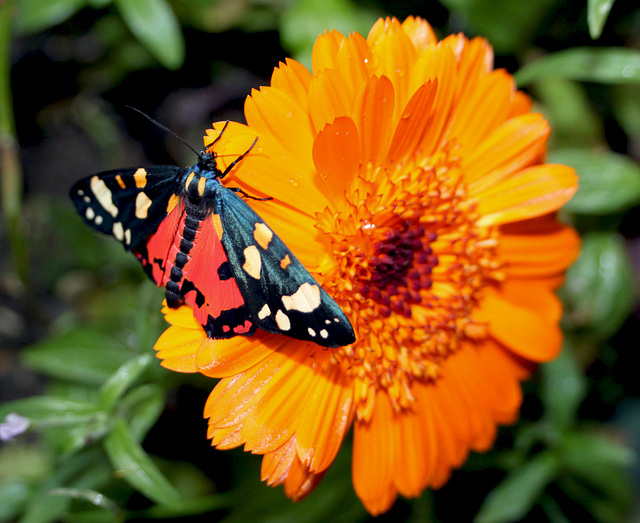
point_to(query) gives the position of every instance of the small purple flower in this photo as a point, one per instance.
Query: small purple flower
(13, 426)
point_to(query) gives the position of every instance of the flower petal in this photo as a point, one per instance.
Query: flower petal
(523, 331)
(326, 417)
(374, 118)
(222, 358)
(538, 248)
(336, 153)
(374, 447)
(177, 348)
(532, 192)
(511, 147)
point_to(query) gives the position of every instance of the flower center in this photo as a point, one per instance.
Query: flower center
(411, 265)
(400, 268)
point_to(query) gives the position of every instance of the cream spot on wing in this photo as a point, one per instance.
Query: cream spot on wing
(98, 220)
(127, 236)
(87, 199)
(118, 231)
(262, 235)
(286, 261)
(324, 333)
(143, 202)
(188, 182)
(264, 312)
(311, 332)
(140, 177)
(252, 262)
(217, 224)
(305, 299)
(80, 192)
(201, 184)
(282, 320)
(173, 201)
(90, 213)
(103, 195)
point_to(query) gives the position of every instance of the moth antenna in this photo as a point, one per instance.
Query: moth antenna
(164, 128)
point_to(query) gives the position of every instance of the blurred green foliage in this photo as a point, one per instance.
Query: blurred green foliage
(98, 449)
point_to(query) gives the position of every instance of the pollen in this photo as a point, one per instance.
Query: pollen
(411, 265)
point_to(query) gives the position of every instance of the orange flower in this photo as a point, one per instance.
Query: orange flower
(409, 178)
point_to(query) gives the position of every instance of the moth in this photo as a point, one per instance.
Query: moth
(204, 244)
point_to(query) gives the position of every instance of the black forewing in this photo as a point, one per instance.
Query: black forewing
(283, 282)
(126, 203)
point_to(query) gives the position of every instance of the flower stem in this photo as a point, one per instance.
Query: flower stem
(11, 182)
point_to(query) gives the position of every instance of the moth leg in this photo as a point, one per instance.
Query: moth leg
(234, 162)
(246, 195)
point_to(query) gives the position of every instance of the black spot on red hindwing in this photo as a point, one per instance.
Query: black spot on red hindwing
(224, 271)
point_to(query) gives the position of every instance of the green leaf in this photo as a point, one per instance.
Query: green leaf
(143, 406)
(49, 409)
(598, 11)
(122, 379)
(625, 101)
(597, 458)
(81, 355)
(564, 388)
(610, 65)
(599, 290)
(36, 15)
(574, 120)
(14, 495)
(508, 25)
(516, 495)
(155, 25)
(609, 182)
(303, 21)
(45, 509)
(96, 499)
(136, 466)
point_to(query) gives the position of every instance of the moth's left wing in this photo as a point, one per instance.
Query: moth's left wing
(127, 204)
(280, 293)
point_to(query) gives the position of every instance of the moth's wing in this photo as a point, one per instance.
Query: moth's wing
(280, 293)
(127, 204)
(206, 284)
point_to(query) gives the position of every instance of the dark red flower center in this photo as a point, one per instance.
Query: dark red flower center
(400, 267)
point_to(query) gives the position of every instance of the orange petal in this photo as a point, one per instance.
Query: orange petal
(480, 111)
(374, 117)
(278, 396)
(523, 331)
(180, 317)
(336, 153)
(330, 97)
(530, 193)
(414, 453)
(393, 54)
(225, 438)
(274, 113)
(419, 31)
(293, 78)
(414, 122)
(545, 250)
(374, 459)
(326, 417)
(325, 51)
(513, 146)
(277, 463)
(352, 59)
(221, 358)
(531, 295)
(177, 348)
(300, 481)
